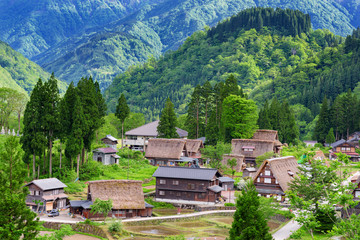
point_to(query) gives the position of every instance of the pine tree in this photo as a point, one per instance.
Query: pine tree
(249, 222)
(122, 112)
(16, 219)
(51, 114)
(33, 139)
(330, 137)
(167, 123)
(193, 116)
(323, 124)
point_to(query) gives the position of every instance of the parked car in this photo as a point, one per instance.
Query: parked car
(53, 213)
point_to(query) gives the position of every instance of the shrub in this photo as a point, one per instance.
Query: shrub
(229, 204)
(159, 204)
(74, 187)
(326, 220)
(116, 227)
(90, 170)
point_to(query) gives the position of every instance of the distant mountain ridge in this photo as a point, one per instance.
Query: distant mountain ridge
(19, 73)
(102, 38)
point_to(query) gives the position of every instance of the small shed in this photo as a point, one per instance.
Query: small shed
(106, 156)
(110, 141)
(226, 183)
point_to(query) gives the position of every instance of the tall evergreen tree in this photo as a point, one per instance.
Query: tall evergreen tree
(33, 139)
(249, 222)
(51, 114)
(122, 112)
(323, 124)
(194, 112)
(167, 123)
(330, 137)
(16, 219)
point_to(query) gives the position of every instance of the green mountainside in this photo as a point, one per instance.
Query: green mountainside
(18, 72)
(59, 35)
(258, 53)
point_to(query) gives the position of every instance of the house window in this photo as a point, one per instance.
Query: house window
(267, 173)
(278, 197)
(178, 194)
(162, 193)
(162, 181)
(37, 193)
(132, 137)
(267, 180)
(55, 192)
(357, 193)
(32, 193)
(201, 195)
(248, 149)
(191, 186)
(258, 179)
(276, 181)
(175, 182)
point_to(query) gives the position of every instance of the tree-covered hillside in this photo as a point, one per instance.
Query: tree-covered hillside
(151, 27)
(18, 72)
(253, 56)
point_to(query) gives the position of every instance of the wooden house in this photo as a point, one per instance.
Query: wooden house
(263, 141)
(137, 138)
(110, 141)
(187, 185)
(49, 191)
(126, 195)
(106, 156)
(172, 152)
(347, 147)
(274, 175)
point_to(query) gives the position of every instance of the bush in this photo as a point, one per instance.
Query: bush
(159, 204)
(74, 187)
(229, 204)
(90, 170)
(326, 220)
(116, 227)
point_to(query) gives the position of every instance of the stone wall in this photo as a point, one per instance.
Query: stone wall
(78, 227)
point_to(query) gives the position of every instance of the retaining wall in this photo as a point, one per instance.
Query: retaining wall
(78, 227)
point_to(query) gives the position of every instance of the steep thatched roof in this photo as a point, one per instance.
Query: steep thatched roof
(125, 194)
(265, 134)
(187, 173)
(239, 161)
(283, 169)
(260, 147)
(193, 145)
(162, 148)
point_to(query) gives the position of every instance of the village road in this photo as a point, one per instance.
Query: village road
(285, 232)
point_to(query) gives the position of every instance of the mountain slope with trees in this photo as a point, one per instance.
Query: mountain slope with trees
(252, 55)
(128, 32)
(19, 73)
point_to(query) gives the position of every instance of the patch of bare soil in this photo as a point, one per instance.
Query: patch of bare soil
(80, 237)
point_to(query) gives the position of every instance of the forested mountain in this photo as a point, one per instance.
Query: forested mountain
(103, 38)
(18, 72)
(256, 52)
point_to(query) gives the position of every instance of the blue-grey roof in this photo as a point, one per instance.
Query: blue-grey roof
(226, 179)
(87, 205)
(148, 205)
(203, 139)
(186, 173)
(215, 188)
(338, 143)
(150, 129)
(77, 203)
(48, 183)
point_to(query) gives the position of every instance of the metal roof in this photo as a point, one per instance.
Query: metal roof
(150, 129)
(186, 173)
(147, 205)
(337, 143)
(48, 183)
(215, 188)
(226, 179)
(110, 137)
(75, 203)
(107, 150)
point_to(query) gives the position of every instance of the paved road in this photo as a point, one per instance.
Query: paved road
(285, 232)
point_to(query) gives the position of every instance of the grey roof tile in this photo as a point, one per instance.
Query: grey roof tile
(186, 173)
(48, 183)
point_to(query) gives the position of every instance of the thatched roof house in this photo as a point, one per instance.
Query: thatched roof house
(240, 164)
(162, 148)
(263, 141)
(126, 195)
(274, 175)
(193, 147)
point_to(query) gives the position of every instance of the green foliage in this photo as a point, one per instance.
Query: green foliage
(101, 207)
(116, 227)
(215, 153)
(239, 118)
(177, 237)
(122, 112)
(330, 137)
(16, 219)
(65, 230)
(159, 204)
(229, 204)
(249, 221)
(167, 123)
(326, 219)
(260, 159)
